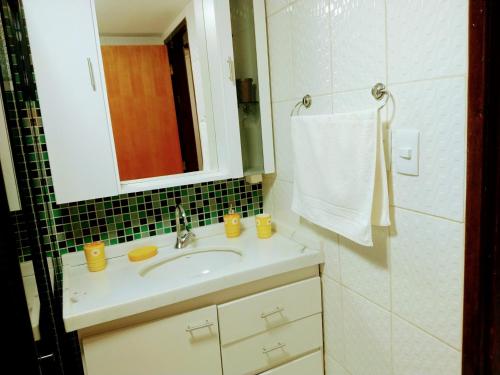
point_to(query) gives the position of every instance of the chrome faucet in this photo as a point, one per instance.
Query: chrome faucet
(185, 234)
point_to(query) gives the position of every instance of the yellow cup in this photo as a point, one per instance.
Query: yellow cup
(232, 225)
(263, 223)
(94, 254)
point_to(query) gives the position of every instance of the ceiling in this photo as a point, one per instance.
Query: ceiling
(136, 17)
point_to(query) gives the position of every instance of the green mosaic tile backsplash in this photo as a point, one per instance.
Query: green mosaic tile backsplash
(138, 215)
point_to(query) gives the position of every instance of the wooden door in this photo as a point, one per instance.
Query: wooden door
(142, 109)
(481, 327)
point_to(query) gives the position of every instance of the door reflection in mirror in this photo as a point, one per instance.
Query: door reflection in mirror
(150, 90)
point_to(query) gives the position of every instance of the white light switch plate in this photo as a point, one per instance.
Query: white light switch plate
(405, 152)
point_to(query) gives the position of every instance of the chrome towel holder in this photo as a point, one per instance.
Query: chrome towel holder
(379, 91)
(306, 102)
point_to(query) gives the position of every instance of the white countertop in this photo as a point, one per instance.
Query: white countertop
(120, 290)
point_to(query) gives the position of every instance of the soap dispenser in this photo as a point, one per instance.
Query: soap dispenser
(232, 223)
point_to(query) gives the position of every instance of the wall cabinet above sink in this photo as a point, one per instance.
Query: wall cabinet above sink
(135, 97)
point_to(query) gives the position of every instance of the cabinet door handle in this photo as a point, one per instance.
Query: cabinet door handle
(273, 348)
(232, 74)
(91, 74)
(207, 324)
(277, 310)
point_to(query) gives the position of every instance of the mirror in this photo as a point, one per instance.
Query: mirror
(156, 76)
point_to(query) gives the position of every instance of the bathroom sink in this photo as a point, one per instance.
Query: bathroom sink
(192, 263)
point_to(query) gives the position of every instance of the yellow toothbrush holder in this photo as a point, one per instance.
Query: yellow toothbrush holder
(94, 254)
(264, 226)
(232, 224)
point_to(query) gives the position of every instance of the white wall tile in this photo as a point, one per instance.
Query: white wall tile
(333, 320)
(417, 353)
(427, 260)
(267, 187)
(282, 140)
(332, 257)
(273, 6)
(437, 109)
(366, 269)
(332, 367)
(352, 101)
(280, 55)
(368, 336)
(321, 105)
(282, 196)
(311, 47)
(334, 50)
(426, 39)
(358, 43)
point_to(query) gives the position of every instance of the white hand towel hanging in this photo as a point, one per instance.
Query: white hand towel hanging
(340, 180)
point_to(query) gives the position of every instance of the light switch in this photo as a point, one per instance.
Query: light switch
(405, 153)
(405, 143)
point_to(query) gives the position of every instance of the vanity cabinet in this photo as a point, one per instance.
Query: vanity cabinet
(310, 364)
(232, 126)
(185, 344)
(270, 328)
(276, 331)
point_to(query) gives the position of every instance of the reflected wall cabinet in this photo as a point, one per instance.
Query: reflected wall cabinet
(226, 54)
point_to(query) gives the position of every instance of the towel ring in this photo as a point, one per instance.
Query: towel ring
(379, 91)
(305, 102)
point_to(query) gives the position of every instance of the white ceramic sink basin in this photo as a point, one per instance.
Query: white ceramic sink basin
(191, 264)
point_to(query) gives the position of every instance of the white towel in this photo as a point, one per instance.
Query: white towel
(340, 180)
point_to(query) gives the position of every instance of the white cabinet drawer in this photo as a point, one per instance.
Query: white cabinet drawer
(255, 314)
(184, 344)
(272, 348)
(311, 364)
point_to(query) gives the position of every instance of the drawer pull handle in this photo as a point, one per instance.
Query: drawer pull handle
(276, 347)
(277, 310)
(207, 324)
(91, 74)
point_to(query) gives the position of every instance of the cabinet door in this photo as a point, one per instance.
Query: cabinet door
(249, 39)
(66, 59)
(185, 344)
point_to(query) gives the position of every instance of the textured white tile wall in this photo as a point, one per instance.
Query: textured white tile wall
(361, 66)
(367, 330)
(332, 367)
(416, 353)
(437, 109)
(366, 270)
(426, 39)
(427, 277)
(311, 48)
(396, 308)
(333, 320)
